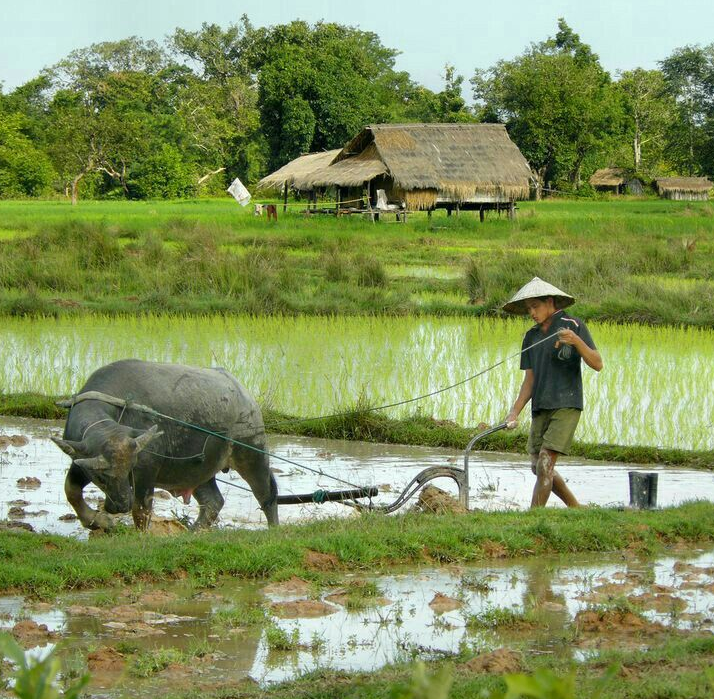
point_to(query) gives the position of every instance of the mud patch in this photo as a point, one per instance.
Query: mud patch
(498, 662)
(443, 603)
(437, 501)
(29, 483)
(106, 661)
(661, 602)
(30, 633)
(302, 609)
(166, 527)
(614, 621)
(314, 560)
(294, 587)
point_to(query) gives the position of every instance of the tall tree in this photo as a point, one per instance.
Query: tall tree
(219, 104)
(451, 103)
(556, 100)
(101, 113)
(649, 111)
(689, 76)
(343, 76)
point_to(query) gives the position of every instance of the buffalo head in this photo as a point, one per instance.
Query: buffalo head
(109, 464)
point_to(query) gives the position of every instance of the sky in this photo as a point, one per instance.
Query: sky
(467, 34)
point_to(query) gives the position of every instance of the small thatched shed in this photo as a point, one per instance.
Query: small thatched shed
(430, 165)
(684, 188)
(297, 169)
(617, 180)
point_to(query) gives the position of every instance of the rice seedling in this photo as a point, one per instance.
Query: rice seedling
(653, 391)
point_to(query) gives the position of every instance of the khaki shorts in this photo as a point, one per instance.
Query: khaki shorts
(553, 429)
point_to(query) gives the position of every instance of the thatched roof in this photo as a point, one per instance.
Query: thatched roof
(683, 184)
(609, 177)
(296, 169)
(461, 161)
(351, 172)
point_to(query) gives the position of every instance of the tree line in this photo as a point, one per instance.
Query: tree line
(135, 119)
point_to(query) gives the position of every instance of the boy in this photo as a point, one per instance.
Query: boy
(553, 382)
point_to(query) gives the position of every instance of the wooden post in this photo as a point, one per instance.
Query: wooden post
(448, 210)
(512, 210)
(458, 209)
(481, 213)
(337, 201)
(369, 199)
(285, 196)
(428, 214)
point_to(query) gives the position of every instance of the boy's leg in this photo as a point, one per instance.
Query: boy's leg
(557, 483)
(554, 434)
(544, 470)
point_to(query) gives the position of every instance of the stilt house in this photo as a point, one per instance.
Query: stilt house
(428, 166)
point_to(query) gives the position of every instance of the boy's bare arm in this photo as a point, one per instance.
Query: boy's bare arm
(590, 356)
(524, 395)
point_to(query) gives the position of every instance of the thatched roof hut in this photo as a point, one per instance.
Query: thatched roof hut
(425, 165)
(684, 188)
(609, 177)
(297, 169)
(616, 179)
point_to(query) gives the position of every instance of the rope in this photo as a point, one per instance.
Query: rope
(311, 203)
(417, 398)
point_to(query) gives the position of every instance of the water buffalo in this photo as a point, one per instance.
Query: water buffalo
(127, 452)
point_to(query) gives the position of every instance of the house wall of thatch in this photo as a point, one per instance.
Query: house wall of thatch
(684, 188)
(684, 195)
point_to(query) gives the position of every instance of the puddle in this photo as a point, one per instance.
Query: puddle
(496, 612)
(34, 473)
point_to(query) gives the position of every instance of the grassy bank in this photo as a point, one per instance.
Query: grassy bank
(418, 430)
(44, 565)
(639, 260)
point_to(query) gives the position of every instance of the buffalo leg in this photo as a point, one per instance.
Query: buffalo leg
(74, 485)
(143, 503)
(210, 502)
(254, 469)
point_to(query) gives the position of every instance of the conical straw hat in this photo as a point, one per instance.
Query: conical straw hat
(536, 288)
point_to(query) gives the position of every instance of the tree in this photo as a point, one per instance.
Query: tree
(689, 77)
(106, 108)
(451, 106)
(648, 113)
(557, 102)
(25, 171)
(344, 76)
(218, 104)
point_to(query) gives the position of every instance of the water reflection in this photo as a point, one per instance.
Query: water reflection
(547, 595)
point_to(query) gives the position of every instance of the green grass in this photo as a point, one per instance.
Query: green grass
(204, 256)
(42, 565)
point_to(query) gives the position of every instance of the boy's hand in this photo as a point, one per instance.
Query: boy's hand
(511, 421)
(566, 337)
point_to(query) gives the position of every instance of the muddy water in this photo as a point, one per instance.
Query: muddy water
(111, 630)
(498, 481)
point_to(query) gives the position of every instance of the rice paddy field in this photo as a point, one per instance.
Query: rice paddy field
(654, 376)
(399, 310)
(319, 315)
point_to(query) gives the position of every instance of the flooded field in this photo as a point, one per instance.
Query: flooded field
(32, 472)
(140, 640)
(143, 640)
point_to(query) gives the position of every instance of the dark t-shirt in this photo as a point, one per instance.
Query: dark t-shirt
(557, 381)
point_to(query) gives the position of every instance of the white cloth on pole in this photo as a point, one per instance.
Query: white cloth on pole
(239, 192)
